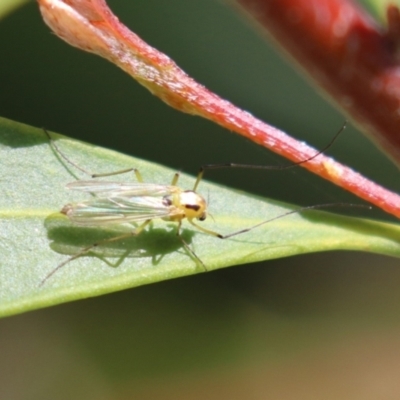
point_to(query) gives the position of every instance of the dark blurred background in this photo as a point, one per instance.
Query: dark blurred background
(316, 326)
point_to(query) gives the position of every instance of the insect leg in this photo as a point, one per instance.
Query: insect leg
(207, 231)
(87, 249)
(138, 175)
(175, 179)
(187, 247)
(203, 168)
(61, 155)
(119, 172)
(299, 210)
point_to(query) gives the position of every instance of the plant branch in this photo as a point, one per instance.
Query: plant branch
(341, 49)
(91, 26)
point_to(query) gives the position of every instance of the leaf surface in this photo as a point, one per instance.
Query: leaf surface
(35, 237)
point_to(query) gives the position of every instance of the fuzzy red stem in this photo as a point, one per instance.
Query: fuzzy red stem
(341, 49)
(91, 26)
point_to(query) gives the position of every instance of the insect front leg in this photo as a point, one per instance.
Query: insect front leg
(207, 231)
(297, 211)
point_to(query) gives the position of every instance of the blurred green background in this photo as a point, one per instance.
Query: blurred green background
(310, 327)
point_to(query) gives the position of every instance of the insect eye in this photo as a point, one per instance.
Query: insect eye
(202, 217)
(194, 207)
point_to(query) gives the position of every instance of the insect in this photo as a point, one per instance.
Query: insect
(114, 203)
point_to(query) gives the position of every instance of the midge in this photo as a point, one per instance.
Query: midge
(114, 203)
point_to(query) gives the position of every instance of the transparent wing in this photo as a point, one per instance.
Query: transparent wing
(118, 210)
(122, 189)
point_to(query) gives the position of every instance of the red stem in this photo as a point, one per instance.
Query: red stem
(341, 49)
(306, 24)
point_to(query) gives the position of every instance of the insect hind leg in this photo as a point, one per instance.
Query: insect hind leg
(64, 158)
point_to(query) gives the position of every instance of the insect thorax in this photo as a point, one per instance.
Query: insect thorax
(188, 204)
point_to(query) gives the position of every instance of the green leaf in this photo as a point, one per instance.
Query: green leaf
(35, 237)
(378, 7)
(7, 6)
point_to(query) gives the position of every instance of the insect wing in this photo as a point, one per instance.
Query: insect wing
(117, 210)
(106, 189)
